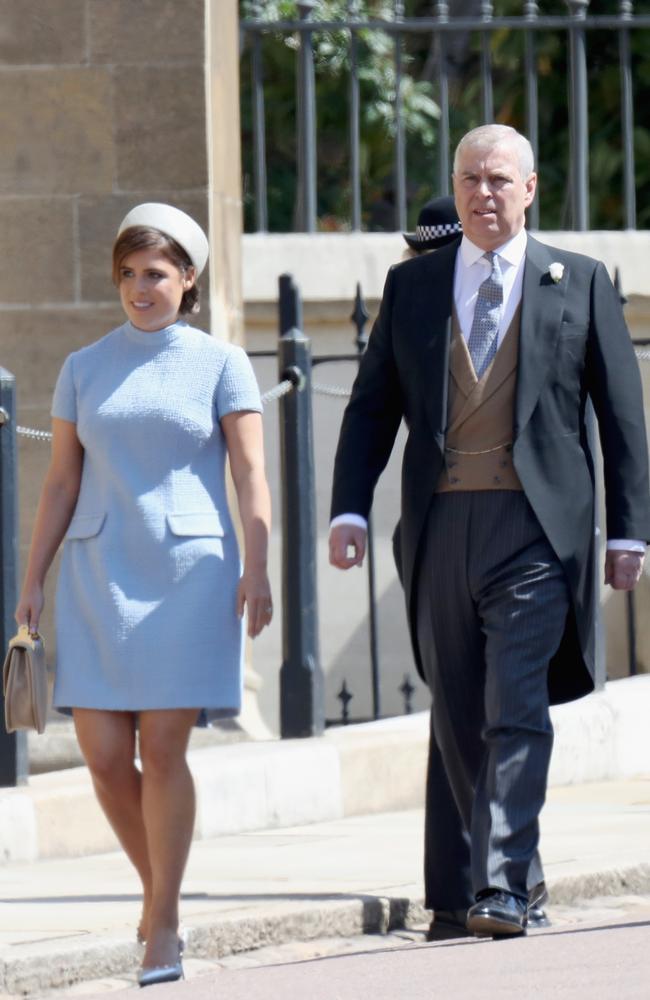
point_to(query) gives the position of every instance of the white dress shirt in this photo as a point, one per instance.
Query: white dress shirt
(471, 269)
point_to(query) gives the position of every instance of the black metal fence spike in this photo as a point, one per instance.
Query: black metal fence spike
(407, 690)
(360, 317)
(345, 698)
(617, 285)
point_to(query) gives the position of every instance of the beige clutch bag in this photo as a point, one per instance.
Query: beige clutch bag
(27, 683)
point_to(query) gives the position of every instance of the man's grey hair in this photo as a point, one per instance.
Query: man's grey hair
(489, 136)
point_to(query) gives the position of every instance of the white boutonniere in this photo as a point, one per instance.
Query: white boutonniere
(556, 270)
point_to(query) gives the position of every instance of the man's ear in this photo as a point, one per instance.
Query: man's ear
(531, 187)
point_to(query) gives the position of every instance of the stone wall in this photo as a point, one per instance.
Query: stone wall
(103, 106)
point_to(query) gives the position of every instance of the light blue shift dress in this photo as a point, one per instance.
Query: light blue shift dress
(146, 597)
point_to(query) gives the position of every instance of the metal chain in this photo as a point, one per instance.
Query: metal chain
(30, 432)
(275, 393)
(330, 390)
(281, 389)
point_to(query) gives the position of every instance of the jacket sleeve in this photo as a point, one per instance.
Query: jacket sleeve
(614, 385)
(371, 418)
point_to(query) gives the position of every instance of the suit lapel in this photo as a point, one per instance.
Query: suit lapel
(542, 304)
(434, 313)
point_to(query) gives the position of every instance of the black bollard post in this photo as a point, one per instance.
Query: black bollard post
(14, 766)
(302, 707)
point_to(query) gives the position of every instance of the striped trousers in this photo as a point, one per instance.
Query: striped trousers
(492, 607)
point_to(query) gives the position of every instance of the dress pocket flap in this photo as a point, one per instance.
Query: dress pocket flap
(85, 525)
(206, 523)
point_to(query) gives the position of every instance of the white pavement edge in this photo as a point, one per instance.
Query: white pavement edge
(355, 770)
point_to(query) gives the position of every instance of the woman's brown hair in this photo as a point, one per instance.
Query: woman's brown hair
(143, 238)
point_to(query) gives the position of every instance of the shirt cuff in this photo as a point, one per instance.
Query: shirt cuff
(354, 519)
(629, 544)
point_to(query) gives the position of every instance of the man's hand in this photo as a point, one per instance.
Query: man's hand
(623, 568)
(347, 545)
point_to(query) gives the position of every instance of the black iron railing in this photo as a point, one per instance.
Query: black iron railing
(575, 27)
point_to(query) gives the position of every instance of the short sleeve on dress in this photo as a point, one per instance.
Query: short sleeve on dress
(64, 403)
(237, 389)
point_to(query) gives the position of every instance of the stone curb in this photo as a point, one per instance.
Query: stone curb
(573, 889)
(373, 767)
(59, 966)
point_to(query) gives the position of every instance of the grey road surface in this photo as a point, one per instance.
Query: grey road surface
(597, 952)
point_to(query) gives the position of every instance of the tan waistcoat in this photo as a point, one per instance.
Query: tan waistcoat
(480, 416)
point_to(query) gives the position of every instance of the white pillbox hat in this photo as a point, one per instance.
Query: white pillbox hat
(172, 222)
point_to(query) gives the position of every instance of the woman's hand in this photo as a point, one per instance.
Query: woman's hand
(245, 442)
(30, 607)
(254, 595)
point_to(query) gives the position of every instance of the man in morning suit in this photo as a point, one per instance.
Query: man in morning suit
(490, 350)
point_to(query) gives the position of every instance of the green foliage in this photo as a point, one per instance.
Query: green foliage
(376, 55)
(377, 86)
(604, 127)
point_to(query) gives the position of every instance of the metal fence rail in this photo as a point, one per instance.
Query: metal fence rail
(442, 28)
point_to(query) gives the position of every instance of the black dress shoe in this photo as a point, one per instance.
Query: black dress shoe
(448, 924)
(537, 917)
(497, 913)
(538, 895)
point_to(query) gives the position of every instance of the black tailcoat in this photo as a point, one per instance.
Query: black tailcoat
(574, 346)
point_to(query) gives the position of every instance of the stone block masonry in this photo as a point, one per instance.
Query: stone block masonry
(103, 106)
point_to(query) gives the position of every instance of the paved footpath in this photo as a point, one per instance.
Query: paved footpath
(72, 921)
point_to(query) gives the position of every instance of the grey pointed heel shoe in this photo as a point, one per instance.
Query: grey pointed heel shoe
(160, 974)
(155, 974)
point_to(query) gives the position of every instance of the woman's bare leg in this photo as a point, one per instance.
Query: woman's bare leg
(168, 808)
(107, 741)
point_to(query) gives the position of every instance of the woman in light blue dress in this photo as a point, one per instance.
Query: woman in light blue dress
(151, 593)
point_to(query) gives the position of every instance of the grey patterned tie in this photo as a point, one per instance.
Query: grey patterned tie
(482, 343)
